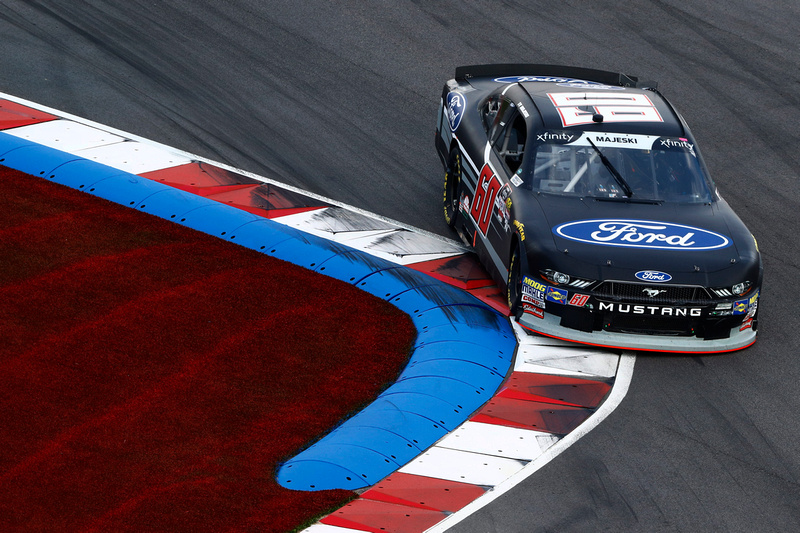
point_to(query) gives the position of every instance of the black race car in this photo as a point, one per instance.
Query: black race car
(583, 193)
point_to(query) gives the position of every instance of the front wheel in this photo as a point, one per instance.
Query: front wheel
(452, 180)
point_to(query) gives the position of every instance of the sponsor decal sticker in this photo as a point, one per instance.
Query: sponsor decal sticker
(753, 306)
(528, 299)
(654, 276)
(456, 104)
(747, 324)
(534, 289)
(579, 300)
(740, 307)
(641, 234)
(613, 140)
(545, 79)
(754, 299)
(558, 296)
(607, 139)
(538, 312)
(583, 84)
(502, 203)
(464, 203)
(556, 137)
(537, 285)
(680, 142)
(562, 82)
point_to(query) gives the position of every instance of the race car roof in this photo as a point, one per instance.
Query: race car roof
(597, 107)
(569, 97)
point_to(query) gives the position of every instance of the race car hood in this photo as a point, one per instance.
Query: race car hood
(636, 236)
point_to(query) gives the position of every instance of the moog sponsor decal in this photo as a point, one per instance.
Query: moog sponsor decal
(534, 289)
(641, 234)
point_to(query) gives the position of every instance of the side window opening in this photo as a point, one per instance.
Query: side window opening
(490, 110)
(502, 112)
(506, 131)
(511, 145)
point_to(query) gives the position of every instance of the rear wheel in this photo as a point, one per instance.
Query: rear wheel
(452, 180)
(514, 286)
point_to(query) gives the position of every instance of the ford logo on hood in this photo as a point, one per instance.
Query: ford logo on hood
(641, 234)
(653, 275)
(456, 105)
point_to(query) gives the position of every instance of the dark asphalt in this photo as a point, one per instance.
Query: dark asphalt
(340, 98)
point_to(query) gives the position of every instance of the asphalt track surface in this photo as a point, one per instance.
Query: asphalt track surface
(341, 98)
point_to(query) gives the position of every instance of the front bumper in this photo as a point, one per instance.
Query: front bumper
(702, 326)
(550, 325)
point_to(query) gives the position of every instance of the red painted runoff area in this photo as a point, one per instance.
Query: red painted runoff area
(13, 115)
(462, 271)
(465, 272)
(154, 377)
(527, 414)
(555, 389)
(424, 492)
(374, 516)
(234, 189)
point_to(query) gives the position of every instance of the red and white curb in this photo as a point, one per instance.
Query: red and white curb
(485, 458)
(556, 393)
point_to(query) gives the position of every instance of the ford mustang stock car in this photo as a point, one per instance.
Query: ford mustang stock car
(584, 194)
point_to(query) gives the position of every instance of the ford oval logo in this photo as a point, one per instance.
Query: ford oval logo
(653, 275)
(456, 104)
(641, 234)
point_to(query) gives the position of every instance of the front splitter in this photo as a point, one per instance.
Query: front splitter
(550, 326)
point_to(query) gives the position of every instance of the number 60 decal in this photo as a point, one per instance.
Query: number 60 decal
(485, 193)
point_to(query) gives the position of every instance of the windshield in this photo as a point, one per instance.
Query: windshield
(602, 165)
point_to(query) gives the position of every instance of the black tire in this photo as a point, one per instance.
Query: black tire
(452, 181)
(514, 285)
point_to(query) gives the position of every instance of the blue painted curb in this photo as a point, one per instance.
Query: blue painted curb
(461, 355)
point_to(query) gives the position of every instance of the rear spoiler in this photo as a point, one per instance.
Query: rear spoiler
(465, 73)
